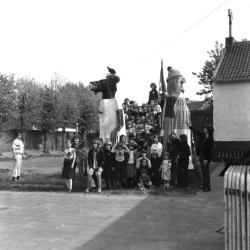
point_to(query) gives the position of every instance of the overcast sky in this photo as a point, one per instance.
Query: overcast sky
(79, 38)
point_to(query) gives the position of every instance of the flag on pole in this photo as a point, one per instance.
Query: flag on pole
(162, 87)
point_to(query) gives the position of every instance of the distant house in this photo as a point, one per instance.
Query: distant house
(231, 99)
(201, 115)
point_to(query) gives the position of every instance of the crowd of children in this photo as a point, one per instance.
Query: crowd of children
(136, 160)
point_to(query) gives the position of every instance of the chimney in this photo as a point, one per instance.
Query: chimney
(230, 40)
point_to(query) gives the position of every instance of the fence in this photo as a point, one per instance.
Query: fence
(237, 208)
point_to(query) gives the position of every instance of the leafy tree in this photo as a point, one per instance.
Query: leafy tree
(7, 99)
(27, 102)
(89, 106)
(68, 106)
(206, 75)
(48, 112)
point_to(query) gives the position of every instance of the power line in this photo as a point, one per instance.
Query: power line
(190, 28)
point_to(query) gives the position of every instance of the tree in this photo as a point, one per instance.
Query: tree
(206, 75)
(27, 102)
(48, 112)
(7, 100)
(78, 105)
(89, 106)
(68, 106)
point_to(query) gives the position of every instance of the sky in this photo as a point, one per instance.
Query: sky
(78, 39)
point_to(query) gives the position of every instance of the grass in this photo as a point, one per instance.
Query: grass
(44, 174)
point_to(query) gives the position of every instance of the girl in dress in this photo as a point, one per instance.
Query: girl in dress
(68, 165)
(155, 158)
(165, 169)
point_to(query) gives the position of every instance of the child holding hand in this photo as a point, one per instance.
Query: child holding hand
(165, 169)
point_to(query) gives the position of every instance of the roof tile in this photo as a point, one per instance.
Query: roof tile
(235, 64)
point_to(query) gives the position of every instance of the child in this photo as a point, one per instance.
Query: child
(144, 179)
(153, 94)
(151, 113)
(143, 120)
(130, 130)
(165, 169)
(68, 165)
(108, 167)
(157, 113)
(155, 157)
(120, 163)
(143, 166)
(126, 103)
(131, 164)
(139, 128)
(148, 126)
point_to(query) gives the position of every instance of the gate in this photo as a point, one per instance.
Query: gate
(237, 208)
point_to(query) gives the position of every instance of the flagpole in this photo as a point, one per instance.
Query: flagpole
(163, 88)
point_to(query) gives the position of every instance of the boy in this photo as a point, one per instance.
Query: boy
(18, 151)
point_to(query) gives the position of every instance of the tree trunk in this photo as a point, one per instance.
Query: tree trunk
(63, 132)
(55, 134)
(45, 141)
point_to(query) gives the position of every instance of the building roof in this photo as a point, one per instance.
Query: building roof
(235, 63)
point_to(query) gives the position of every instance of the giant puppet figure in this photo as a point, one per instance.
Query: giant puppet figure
(177, 117)
(111, 117)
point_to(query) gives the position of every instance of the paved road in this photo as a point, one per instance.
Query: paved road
(56, 220)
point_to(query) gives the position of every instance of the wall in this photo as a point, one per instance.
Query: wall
(231, 115)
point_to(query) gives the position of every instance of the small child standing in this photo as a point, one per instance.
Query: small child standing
(153, 94)
(120, 170)
(165, 169)
(131, 164)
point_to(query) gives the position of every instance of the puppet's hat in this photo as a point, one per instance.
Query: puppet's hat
(111, 71)
(172, 73)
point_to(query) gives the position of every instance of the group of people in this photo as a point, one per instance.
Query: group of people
(123, 165)
(127, 164)
(137, 159)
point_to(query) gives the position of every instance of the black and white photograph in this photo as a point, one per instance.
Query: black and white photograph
(124, 125)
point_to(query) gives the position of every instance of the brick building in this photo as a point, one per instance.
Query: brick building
(231, 90)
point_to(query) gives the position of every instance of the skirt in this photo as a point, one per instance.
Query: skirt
(67, 171)
(130, 170)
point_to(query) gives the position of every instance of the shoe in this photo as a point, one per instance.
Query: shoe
(99, 190)
(87, 190)
(13, 178)
(18, 178)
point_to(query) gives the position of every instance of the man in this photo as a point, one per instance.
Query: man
(18, 151)
(205, 153)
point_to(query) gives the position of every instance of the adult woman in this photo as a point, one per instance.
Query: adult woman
(68, 165)
(155, 157)
(183, 161)
(95, 162)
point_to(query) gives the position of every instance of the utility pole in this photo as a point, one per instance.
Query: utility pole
(230, 16)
